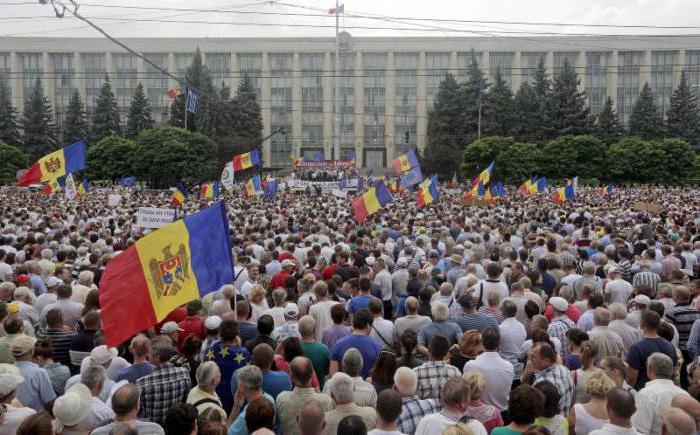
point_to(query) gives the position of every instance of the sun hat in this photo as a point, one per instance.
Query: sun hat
(73, 406)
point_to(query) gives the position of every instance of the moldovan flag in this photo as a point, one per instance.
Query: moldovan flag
(485, 175)
(179, 196)
(405, 162)
(83, 187)
(169, 267)
(371, 201)
(427, 192)
(606, 189)
(253, 186)
(57, 164)
(247, 160)
(209, 190)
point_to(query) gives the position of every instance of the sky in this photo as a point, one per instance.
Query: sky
(301, 18)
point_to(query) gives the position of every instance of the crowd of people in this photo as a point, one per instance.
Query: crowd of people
(526, 317)
(325, 174)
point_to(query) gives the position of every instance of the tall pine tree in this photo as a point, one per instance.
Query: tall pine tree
(501, 108)
(443, 152)
(75, 125)
(542, 117)
(682, 118)
(527, 117)
(607, 127)
(8, 118)
(196, 77)
(39, 131)
(474, 91)
(246, 112)
(105, 119)
(645, 120)
(139, 114)
(570, 113)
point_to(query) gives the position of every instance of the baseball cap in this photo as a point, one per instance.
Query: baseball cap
(102, 354)
(52, 281)
(212, 322)
(169, 327)
(287, 263)
(22, 345)
(642, 300)
(9, 382)
(21, 279)
(291, 310)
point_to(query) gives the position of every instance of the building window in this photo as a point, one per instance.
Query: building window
(5, 70)
(182, 62)
(528, 65)
(157, 88)
(32, 69)
(281, 105)
(126, 82)
(504, 62)
(662, 78)
(374, 82)
(596, 80)
(312, 100)
(64, 85)
(437, 65)
(627, 83)
(219, 66)
(251, 65)
(562, 56)
(692, 69)
(463, 62)
(347, 100)
(95, 71)
(406, 65)
(374, 158)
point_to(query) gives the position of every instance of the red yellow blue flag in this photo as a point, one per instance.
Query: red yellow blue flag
(56, 164)
(371, 201)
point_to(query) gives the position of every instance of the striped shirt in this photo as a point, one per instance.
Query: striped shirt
(647, 278)
(413, 410)
(477, 321)
(682, 316)
(60, 343)
(558, 329)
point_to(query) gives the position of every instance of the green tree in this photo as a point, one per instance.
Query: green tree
(607, 127)
(75, 126)
(634, 160)
(12, 159)
(105, 119)
(645, 120)
(443, 152)
(8, 118)
(570, 156)
(480, 153)
(474, 92)
(677, 165)
(139, 117)
(521, 161)
(527, 117)
(542, 87)
(570, 113)
(168, 155)
(682, 118)
(111, 158)
(196, 77)
(501, 107)
(39, 131)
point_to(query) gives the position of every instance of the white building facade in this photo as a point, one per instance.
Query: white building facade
(387, 85)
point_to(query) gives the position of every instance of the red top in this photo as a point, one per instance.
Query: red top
(177, 315)
(192, 325)
(330, 270)
(286, 256)
(279, 279)
(572, 313)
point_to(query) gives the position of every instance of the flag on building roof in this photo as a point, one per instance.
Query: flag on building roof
(427, 192)
(405, 162)
(179, 195)
(56, 164)
(209, 190)
(339, 10)
(609, 188)
(169, 267)
(253, 186)
(246, 160)
(371, 201)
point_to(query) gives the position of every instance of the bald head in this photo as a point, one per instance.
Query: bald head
(140, 345)
(677, 422)
(312, 418)
(405, 381)
(411, 305)
(301, 370)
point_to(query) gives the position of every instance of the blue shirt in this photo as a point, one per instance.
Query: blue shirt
(369, 347)
(134, 372)
(229, 359)
(273, 383)
(359, 303)
(449, 329)
(36, 390)
(238, 427)
(38, 284)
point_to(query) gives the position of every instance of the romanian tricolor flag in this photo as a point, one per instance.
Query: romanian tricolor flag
(494, 192)
(529, 187)
(565, 193)
(427, 192)
(83, 187)
(57, 164)
(485, 175)
(52, 187)
(179, 196)
(253, 186)
(209, 190)
(476, 191)
(246, 160)
(371, 201)
(606, 189)
(173, 265)
(405, 162)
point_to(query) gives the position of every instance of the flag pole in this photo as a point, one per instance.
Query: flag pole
(187, 91)
(336, 102)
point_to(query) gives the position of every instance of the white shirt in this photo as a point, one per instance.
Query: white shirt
(387, 331)
(611, 429)
(619, 290)
(277, 314)
(652, 401)
(43, 300)
(435, 423)
(5, 272)
(383, 280)
(99, 415)
(513, 335)
(321, 312)
(489, 287)
(13, 418)
(498, 374)
(385, 432)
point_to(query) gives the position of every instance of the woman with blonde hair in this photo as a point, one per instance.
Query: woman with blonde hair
(488, 415)
(258, 303)
(589, 352)
(457, 429)
(594, 414)
(468, 348)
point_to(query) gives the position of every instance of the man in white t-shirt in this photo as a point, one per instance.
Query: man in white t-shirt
(321, 310)
(617, 290)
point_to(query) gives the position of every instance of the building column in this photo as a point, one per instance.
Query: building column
(390, 107)
(645, 69)
(49, 84)
(679, 66)
(296, 102)
(79, 68)
(109, 68)
(327, 84)
(580, 68)
(549, 64)
(422, 102)
(611, 73)
(234, 75)
(359, 110)
(517, 76)
(453, 63)
(16, 85)
(265, 96)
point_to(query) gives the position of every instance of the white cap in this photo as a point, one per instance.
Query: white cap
(9, 382)
(402, 262)
(102, 354)
(74, 406)
(212, 322)
(52, 281)
(291, 310)
(369, 260)
(642, 300)
(558, 303)
(169, 327)
(287, 263)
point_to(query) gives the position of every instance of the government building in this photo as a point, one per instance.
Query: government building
(386, 84)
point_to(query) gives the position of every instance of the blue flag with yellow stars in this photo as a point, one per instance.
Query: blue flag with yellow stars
(229, 359)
